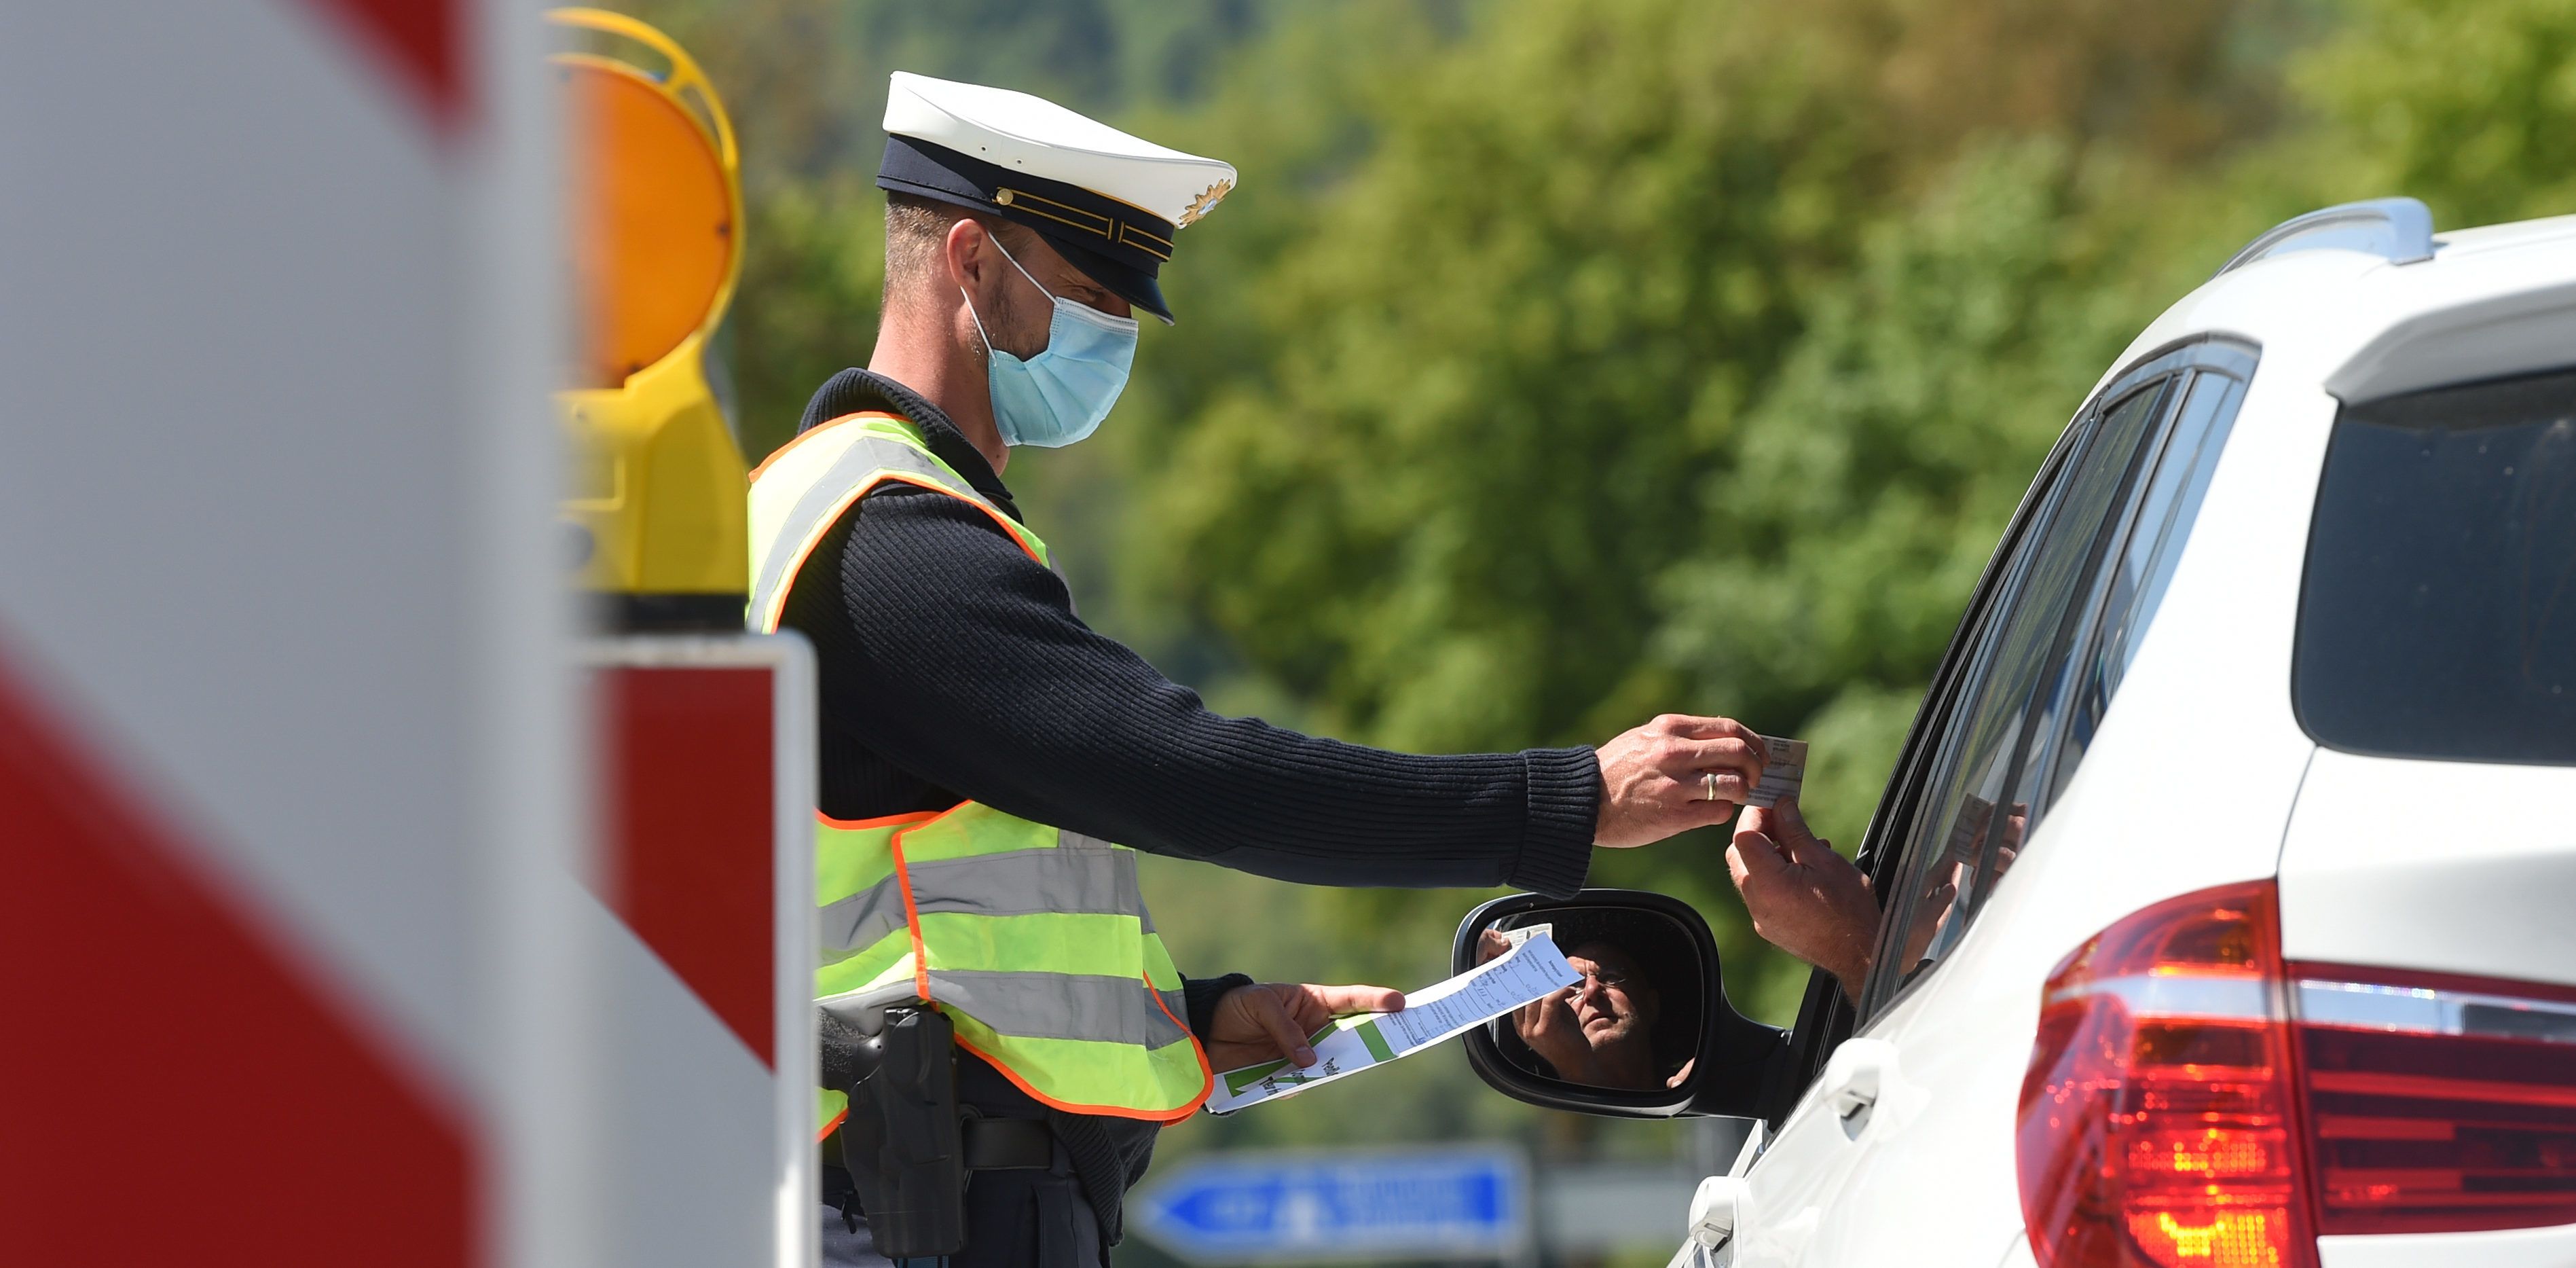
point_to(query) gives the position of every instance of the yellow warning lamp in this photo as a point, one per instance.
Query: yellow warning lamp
(656, 502)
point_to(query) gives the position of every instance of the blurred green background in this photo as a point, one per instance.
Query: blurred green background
(1560, 362)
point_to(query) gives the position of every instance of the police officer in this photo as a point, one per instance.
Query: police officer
(988, 761)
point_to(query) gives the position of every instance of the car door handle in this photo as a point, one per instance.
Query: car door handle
(1859, 1071)
(1714, 1208)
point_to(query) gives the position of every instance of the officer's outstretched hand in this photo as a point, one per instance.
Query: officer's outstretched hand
(1270, 1020)
(1657, 780)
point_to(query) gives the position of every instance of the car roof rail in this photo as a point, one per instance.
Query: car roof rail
(2397, 229)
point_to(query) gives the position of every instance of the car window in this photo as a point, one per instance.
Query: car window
(1826, 1015)
(2136, 586)
(2016, 684)
(2438, 613)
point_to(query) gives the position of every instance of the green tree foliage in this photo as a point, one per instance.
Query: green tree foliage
(813, 269)
(1498, 361)
(1507, 380)
(2467, 104)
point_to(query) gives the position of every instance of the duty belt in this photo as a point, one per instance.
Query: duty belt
(1004, 1144)
(990, 1144)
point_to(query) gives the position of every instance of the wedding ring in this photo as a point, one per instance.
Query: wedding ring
(1708, 780)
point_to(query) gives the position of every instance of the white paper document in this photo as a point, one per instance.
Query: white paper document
(1782, 775)
(1349, 1045)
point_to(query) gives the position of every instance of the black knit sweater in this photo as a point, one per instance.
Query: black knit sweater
(952, 666)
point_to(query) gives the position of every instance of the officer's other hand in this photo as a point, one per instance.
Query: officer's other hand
(1270, 1020)
(1654, 780)
(1804, 898)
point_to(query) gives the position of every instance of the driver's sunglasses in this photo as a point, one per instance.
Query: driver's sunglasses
(1604, 977)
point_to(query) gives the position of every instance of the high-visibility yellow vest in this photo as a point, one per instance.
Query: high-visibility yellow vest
(1032, 939)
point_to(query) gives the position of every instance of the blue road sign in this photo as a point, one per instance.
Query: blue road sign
(1449, 1203)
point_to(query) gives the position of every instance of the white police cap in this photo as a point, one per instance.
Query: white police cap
(1108, 202)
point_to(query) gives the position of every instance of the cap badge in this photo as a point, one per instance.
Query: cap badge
(1205, 202)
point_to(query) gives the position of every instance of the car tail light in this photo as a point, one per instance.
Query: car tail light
(2192, 1101)
(2437, 1104)
(2158, 1121)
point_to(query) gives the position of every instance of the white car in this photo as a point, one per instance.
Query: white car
(2268, 956)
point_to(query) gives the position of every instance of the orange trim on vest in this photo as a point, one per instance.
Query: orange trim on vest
(921, 987)
(1009, 529)
(1207, 1073)
(804, 551)
(1207, 1078)
(912, 916)
(882, 821)
(816, 430)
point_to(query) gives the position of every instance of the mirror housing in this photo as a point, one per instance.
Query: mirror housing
(1730, 1074)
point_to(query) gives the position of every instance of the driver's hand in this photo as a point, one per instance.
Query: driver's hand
(1548, 1025)
(1804, 898)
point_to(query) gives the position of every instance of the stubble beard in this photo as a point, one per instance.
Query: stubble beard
(1002, 326)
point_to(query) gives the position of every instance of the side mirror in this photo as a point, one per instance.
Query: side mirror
(1647, 1034)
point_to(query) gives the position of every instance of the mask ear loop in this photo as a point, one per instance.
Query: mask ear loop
(1079, 311)
(1015, 263)
(978, 319)
(980, 332)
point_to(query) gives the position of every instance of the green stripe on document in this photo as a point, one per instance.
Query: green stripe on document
(1287, 1073)
(1376, 1042)
(1237, 1080)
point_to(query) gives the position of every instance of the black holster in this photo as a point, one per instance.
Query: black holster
(902, 1140)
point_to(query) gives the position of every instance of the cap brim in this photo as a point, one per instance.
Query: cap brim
(1126, 281)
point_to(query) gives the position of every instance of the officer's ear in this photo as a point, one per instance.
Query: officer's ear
(970, 257)
(974, 255)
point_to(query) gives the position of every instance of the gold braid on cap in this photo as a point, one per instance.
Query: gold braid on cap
(1205, 202)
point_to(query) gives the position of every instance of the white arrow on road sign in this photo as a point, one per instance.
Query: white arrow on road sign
(1449, 1203)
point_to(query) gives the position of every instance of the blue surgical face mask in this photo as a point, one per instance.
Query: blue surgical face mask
(1060, 395)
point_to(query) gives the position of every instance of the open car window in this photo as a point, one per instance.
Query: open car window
(2077, 593)
(2135, 586)
(1982, 811)
(2017, 693)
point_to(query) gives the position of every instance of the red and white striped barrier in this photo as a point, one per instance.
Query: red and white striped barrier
(703, 950)
(296, 757)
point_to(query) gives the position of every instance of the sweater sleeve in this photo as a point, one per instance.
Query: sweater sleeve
(960, 659)
(1203, 994)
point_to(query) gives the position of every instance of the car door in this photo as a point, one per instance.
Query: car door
(2020, 690)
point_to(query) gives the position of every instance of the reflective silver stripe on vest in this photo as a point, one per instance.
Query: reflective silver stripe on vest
(1063, 1005)
(1077, 881)
(868, 453)
(1072, 840)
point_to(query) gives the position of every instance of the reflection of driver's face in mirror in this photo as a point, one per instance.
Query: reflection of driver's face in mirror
(1601, 1030)
(1616, 1003)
